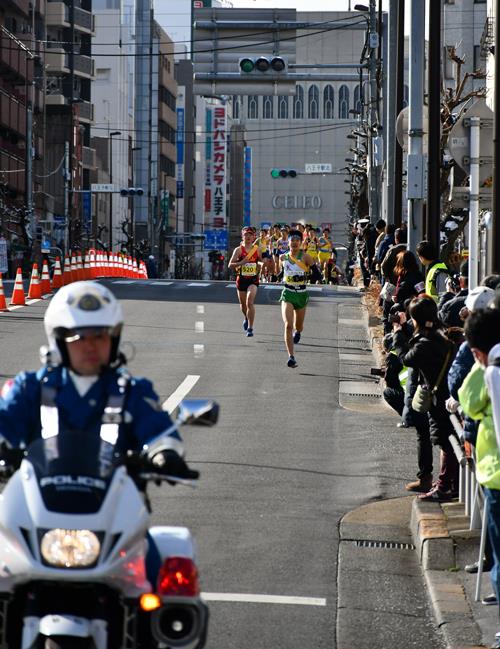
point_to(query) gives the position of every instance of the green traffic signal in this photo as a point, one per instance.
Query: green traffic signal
(283, 173)
(247, 65)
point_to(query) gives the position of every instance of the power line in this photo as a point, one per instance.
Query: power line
(243, 46)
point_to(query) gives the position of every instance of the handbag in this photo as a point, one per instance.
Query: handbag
(424, 396)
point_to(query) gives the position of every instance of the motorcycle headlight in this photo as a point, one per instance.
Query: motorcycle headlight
(70, 548)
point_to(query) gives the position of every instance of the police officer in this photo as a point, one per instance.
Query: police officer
(83, 383)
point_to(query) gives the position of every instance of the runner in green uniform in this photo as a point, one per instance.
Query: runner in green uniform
(295, 265)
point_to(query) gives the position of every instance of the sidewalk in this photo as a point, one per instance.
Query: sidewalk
(444, 545)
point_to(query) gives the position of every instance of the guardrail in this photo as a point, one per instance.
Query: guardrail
(471, 495)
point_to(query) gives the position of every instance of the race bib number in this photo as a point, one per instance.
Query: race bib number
(291, 280)
(248, 270)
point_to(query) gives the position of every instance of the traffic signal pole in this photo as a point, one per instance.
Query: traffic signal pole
(493, 257)
(373, 171)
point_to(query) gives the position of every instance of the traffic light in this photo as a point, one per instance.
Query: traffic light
(283, 173)
(263, 65)
(131, 191)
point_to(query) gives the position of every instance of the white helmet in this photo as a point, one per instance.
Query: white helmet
(81, 305)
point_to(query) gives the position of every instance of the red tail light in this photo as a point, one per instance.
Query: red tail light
(178, 576)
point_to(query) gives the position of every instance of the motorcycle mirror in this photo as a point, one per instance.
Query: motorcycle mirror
(198, 412)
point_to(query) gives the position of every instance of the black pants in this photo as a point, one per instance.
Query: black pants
(395, 398)
(441, 428)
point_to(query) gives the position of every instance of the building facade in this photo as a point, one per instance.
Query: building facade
(307, 130)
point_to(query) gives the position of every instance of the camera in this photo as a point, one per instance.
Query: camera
(376, 371)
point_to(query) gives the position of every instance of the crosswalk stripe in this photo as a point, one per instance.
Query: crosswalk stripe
(125, 281)
(198, 284)
(161, 283)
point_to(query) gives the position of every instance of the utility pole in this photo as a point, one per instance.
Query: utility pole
(433, 214)
(493, 256)
(110, 238)
(415, 187)
(391, 108)
(398, 151)
(373, 42)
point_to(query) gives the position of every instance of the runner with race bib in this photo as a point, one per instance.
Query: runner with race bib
(246, 261)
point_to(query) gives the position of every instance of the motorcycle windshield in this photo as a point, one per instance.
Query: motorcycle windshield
(73, 471)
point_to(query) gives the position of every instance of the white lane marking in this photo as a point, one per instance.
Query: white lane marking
(263, 599)
(28, 302)
(273, 287)
(178, 395)
(233, 285)
(199, 350)
(199, 326)
(125, 281)
(315, 288)
(200, 308)
(161, 283)
(198, 284)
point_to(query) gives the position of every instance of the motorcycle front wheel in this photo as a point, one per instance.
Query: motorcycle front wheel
(68, 642)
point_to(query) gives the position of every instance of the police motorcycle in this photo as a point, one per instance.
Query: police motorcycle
(80, 566)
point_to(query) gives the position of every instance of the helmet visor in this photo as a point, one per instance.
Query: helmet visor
(82, 333)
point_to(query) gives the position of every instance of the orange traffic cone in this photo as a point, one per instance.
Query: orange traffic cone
(18, 298)
(3, 303)
(45, 283)
(74, 268)
(57, 279)
(79, 265)
(35, 289)
(67, 277)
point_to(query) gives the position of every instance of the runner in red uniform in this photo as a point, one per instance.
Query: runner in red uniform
(246, 260)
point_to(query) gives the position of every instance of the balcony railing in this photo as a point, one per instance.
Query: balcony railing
(84, 65)
(58, 16)
(85, 111)
(88, 158)
(57, 61)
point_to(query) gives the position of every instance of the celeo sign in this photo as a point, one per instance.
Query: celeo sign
(297, 202)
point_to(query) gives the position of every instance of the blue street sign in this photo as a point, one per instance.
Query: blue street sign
(216, 239)
(87, 209)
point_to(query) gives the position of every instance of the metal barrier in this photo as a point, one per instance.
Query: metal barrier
(471, 495)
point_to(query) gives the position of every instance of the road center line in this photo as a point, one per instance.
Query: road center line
(178, 395)
(263, 599)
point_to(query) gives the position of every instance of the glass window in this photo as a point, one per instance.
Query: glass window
(328, 105)
(236, 107)
(343, 102)
(298, 103)
(267, 107)
(357, 99)
(313, 102)
(253, 107)
(283, 107)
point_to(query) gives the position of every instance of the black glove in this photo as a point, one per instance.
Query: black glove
(10, 459)
(171, 463)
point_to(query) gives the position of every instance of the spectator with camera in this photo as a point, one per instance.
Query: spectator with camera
(409, 279)
(431, 353)
(449, 312)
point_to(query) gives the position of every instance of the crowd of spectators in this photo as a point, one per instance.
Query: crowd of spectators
(442, 343)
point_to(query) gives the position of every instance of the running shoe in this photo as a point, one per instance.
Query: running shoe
(245, 324)
(292, 362)
(296, 337)
(249, 332)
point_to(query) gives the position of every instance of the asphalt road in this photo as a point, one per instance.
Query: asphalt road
(281, 468)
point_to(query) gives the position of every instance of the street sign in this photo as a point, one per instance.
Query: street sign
(318, 168)
(45, 246)
(223, 37)
(216, 239)
(102, 187)
(459, 139)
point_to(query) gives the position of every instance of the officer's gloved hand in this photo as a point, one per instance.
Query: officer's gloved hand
(171, 463)
(10, 459)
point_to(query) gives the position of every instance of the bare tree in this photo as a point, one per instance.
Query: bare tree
(454, 100)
